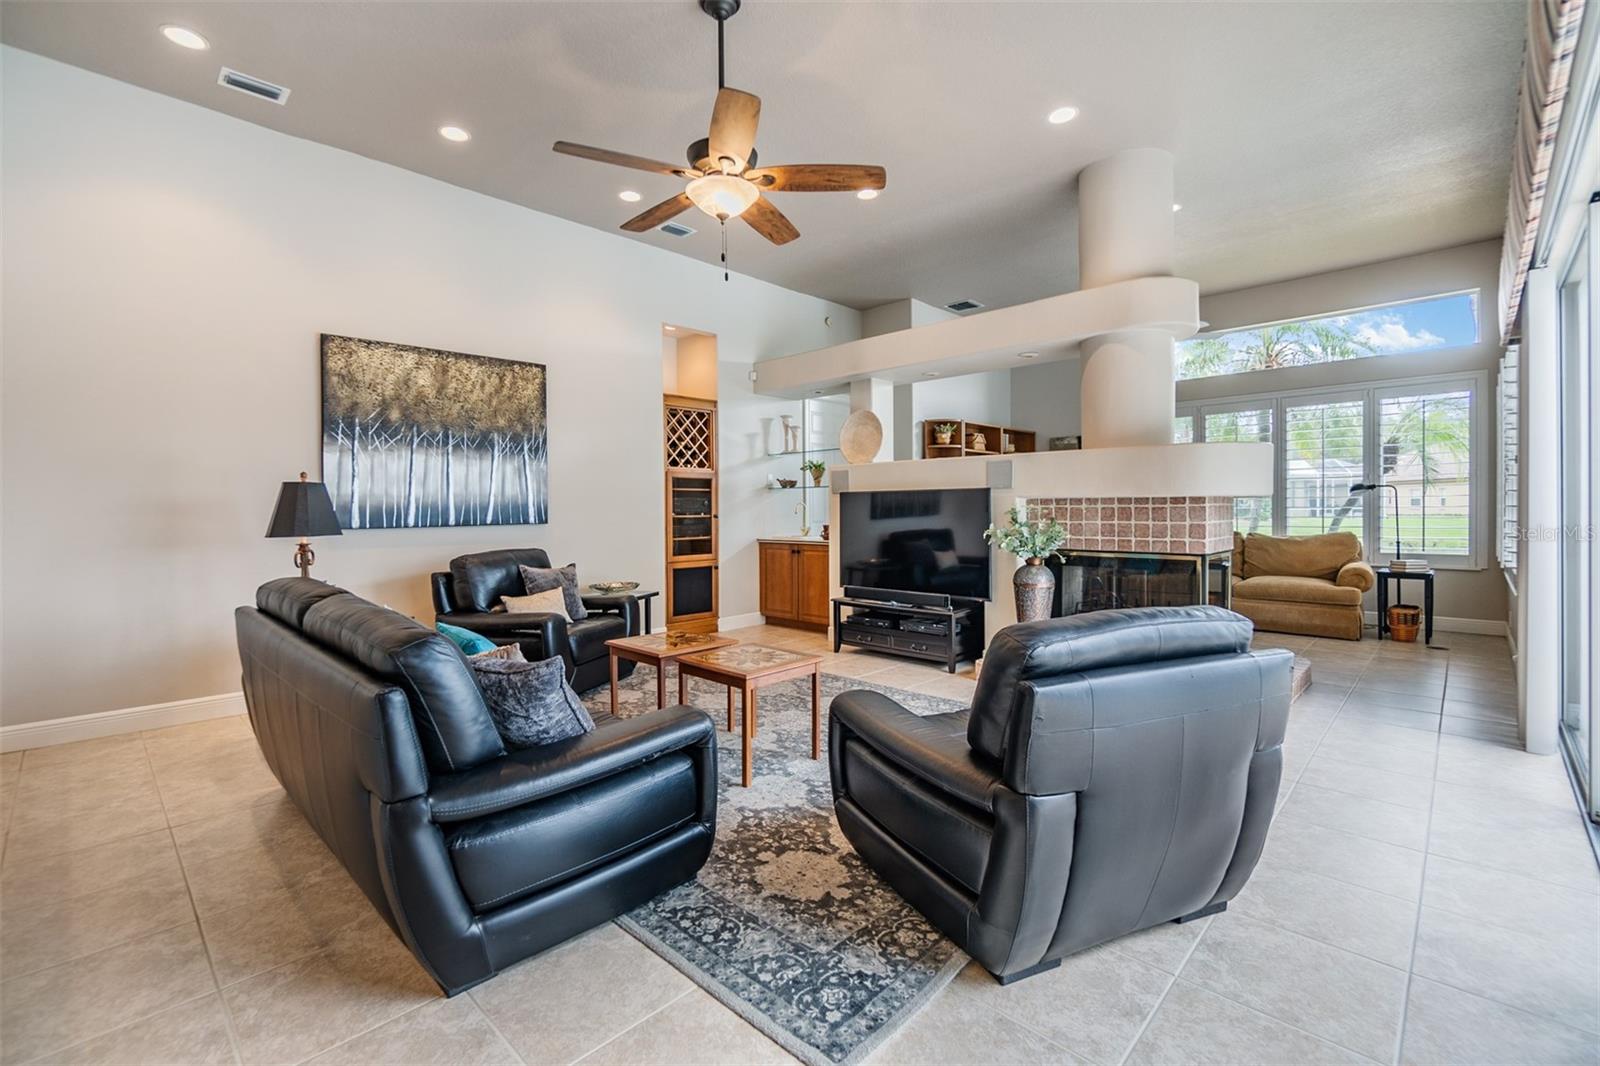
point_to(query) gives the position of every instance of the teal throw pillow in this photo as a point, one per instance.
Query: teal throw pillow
(469, 642)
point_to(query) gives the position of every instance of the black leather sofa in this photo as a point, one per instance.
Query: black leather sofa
(1116, 770)
(467, 593)
(477, 856)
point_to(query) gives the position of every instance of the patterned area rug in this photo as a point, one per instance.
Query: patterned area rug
(785, 924)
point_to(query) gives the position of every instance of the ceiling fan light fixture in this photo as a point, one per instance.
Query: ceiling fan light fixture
(866, 194)
(722, 196)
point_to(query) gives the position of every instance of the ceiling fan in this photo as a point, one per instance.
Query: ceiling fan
(724, 180)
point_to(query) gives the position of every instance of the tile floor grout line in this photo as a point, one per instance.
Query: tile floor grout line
(371, 1028)
(1416, 927)
(495, 1028)
(45, 1056)
(628, 1029)
(194, 909)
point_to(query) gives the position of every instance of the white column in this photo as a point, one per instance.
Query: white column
(1539, 555)
(876, 395)
(1125, 232)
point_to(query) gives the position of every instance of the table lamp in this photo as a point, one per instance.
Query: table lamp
(305, 511)
(1362, 486)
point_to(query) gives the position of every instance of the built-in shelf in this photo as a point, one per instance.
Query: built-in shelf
(801, 451)
(995, 439)
(796, 488)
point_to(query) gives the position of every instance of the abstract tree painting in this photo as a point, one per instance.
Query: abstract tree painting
(422, 437)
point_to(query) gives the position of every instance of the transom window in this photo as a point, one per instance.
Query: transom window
(1390, 329)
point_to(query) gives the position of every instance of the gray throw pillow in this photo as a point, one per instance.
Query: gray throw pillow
(537, 579)
(531, 703)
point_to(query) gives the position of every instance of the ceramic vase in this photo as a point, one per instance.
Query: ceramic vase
(1035, 586)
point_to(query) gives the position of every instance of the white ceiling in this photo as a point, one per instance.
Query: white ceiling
(1309, 136)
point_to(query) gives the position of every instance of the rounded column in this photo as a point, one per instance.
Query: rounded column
(1124, 232)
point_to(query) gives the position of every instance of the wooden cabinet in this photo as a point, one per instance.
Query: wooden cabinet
(690, 427)
(794, 583)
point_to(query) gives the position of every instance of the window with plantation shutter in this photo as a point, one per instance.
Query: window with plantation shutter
(1324, 454)
(1509, 435)
(1251, 514)
(1425, 452)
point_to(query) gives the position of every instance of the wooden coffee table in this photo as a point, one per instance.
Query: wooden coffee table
(659, 649)
(748, 667)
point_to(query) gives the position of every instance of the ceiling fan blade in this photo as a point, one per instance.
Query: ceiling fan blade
(818, 177)
(652, 217)
(768, 221)
(623, 159)
(733, 128)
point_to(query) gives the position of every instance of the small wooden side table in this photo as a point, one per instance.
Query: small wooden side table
(657, 650)
(749, 667)
(1400, 577)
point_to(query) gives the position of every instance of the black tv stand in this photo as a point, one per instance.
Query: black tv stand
(929, 626)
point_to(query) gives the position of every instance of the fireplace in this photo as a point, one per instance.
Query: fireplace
(1105, 580)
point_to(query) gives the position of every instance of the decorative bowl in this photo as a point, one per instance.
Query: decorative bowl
(787, 482)
(611, 588)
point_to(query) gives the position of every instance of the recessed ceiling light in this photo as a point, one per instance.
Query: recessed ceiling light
(1062, 115)
(184, 37)
(1176, 208)
(671, 329)
(454, 133)
(1027, 355)
(930, 373)
(628, 196)
(816, 392)
(867, 194)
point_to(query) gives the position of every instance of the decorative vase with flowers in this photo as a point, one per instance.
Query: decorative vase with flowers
(943, 432)
(1032, 542)
(816, 468)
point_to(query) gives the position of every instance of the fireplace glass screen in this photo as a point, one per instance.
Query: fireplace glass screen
(1102, 581)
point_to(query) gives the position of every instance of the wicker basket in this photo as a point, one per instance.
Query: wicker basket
(1404, 621)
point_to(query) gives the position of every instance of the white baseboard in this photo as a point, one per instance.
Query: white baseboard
(1489, 627)
(110, 723)
(740, 621)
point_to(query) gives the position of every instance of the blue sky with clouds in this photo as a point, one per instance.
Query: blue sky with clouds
(1421, 325)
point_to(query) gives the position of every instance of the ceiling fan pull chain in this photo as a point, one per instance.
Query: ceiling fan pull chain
(723, 223)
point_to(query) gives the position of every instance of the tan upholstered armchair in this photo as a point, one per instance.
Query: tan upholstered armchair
(1307, 585)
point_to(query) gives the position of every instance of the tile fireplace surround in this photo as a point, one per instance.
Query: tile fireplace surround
(1191, 525)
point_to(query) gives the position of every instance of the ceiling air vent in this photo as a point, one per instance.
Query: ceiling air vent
(244, 83)
(676, 229)
(961, 307)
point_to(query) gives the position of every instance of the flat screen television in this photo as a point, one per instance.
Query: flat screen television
(926, 540)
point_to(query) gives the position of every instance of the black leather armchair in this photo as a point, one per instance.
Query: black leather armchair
(467, 593)
(477, 856)
(1116, 770)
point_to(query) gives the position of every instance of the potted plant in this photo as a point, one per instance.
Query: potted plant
(944, 432)
(816, 468)
(1031, 542)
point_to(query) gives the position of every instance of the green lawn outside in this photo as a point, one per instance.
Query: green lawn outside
(1445, 534)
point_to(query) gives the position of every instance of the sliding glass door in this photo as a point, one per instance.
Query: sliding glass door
(1578, 298)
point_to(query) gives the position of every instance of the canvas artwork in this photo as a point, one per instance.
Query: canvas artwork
(422, 437)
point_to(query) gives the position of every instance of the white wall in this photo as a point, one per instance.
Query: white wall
(982, 397)
(167, 272)
(1048, 399)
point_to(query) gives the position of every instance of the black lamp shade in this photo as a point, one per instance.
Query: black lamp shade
(304, 510)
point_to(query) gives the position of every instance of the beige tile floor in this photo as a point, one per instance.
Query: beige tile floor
(1427, 894)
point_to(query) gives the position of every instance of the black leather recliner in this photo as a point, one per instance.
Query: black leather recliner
(468, 592)
(1116, 770)
(477, 856)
